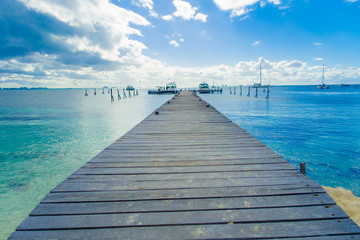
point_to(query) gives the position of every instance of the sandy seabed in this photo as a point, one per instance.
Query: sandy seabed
(347, 201)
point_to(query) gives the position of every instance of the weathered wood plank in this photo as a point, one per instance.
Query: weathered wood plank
(168, 194)
(184, 176)
(220, 231)
(96, 162)
(182, 205)
(182, 218)
(72, 186)
(192, 169)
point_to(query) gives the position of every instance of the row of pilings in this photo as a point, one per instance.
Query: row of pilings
(264, 88)
(125, 93)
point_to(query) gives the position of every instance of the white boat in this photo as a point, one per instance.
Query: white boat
(204, 88)
(169, 89)
(322, 85)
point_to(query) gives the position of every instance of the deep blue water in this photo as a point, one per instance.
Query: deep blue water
(304, 124)
(45, 135)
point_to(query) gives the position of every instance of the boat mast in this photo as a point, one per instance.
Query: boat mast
(260, 73)
(322, 78)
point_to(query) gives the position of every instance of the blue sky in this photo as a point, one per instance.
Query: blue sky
(92, 43)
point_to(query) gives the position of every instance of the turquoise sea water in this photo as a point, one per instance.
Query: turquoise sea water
(45, 135)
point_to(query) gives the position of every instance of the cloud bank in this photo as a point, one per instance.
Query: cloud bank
(91, 43)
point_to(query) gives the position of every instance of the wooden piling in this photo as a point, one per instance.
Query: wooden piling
(248, 95)
(112, 97)
(118, 92)
(303, 168)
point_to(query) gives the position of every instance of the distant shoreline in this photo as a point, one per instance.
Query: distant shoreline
(146, 88)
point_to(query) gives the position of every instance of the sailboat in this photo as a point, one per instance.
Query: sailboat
(322, 85)
(259, 85)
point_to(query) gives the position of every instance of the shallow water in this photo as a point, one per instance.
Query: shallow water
(45, 135)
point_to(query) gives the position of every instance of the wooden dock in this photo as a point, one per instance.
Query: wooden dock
(187, 173)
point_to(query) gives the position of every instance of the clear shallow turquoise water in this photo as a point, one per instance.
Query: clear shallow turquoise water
(304, 124)
(45, 135)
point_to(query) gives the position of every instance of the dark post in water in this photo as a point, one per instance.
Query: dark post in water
(112, 97)
(303, 168)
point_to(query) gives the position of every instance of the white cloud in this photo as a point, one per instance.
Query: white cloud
(276, 2)
(185, 11)
(182, 40)
(174, 43)
(317, 44)
(318, 59)
(240, 8)
(255, 43)
(167, 17)
(153, 14)
(200, 16)
(352, 1)
(100, 27)
(143, 3)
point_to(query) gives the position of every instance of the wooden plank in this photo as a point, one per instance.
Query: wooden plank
(168, 194)
(184, 163)
(184, 176)
(220, 231)
(176, 205)
(71, 186)
(192, 169)
(182, 218)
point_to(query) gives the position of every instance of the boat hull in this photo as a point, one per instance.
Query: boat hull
(163, 92)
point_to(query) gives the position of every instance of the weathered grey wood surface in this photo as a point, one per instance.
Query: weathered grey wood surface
(187, 173)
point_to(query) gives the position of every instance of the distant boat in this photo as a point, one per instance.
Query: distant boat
(130, 88)
(344, 85)
(204, 88)
(169, 89)
(259, 85)
(322, 85)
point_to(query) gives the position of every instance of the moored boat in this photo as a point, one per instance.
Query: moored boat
(322, 85)
(169, 89)
(130, 88)
(204, 88)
